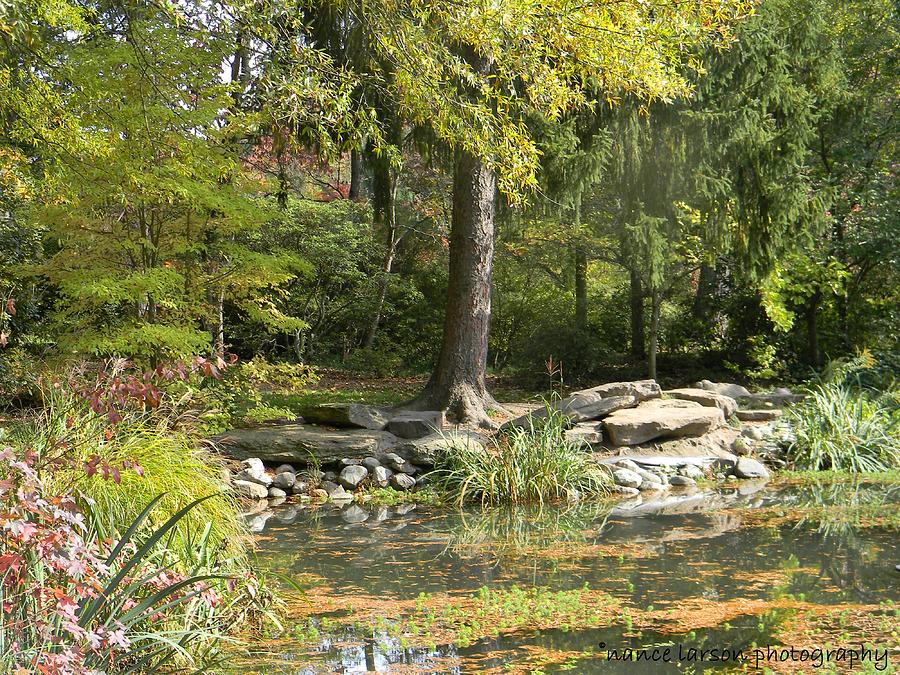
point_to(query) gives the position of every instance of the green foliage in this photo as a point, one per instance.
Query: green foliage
(535, 464)
(373, 362)
(845, 427)
(172, 464)
(18, 377)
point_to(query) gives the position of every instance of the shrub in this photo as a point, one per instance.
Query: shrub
(535, 464)
(74, 602)
(842, 427)
(167, 459)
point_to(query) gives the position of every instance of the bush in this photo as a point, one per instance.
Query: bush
(531, 465)
(842, 427)
(74, 602)
(167, 462)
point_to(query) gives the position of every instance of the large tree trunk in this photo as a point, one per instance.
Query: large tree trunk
(457, 384)
(636, 302)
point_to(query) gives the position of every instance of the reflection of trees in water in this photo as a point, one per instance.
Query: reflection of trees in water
(510, 531)
(837, 515)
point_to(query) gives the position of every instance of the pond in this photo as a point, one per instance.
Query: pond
(717, 578)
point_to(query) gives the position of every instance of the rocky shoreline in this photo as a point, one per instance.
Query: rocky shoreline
(650, 440)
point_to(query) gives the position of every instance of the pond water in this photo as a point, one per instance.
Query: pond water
(417, 589)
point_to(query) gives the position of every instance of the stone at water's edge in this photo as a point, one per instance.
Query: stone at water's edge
(351, 476)
(639, 425)
(401, 481)
(709, 399)
(416, 424)
(747, 467)
(758, 415)
(347, 415)
(627, 478)
(381, 475)
(425, 450)
(301, 444)
(250, 490)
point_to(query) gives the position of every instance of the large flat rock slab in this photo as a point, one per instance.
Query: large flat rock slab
(633, 426)
(302, 444)
(594, 403)
(347, 415)
(416, 424)
(709, 399)
(724, 388)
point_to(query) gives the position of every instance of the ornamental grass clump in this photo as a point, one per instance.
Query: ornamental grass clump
(850, 420)
(535, 464)
(845, 428)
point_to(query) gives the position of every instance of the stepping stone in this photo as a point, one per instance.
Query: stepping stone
(758, 415)
(347, 415)
(415, 424)
(639, 425)
(710, 399)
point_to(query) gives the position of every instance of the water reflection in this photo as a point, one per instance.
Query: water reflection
(711, 546)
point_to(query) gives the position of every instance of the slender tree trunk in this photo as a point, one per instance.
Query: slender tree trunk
(392, 242)
(580, 273)
(457, 384)
(580, 288)
(355, 174)
(655, 301)
(219, 337)
(636, 301)
(812, 330)
(706, 287)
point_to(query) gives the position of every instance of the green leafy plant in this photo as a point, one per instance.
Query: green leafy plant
(532, 464)
(844, 428)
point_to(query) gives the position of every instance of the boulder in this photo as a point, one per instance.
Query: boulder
(627, 478)
(754, 433)
(285, 468)
(724, 388)
(747, 467)
(682, 481)
(351, 476)
(250, 490)
(624, 491)
(670, 403)
(303, 444)
(371, 463)
(690, 471)
(649, 476)
(415, 424)
(284, 480)
(586, 432)
(329, 486)
(652, 486)
(642, 390)
(300, 488)
(638, 425)
(320, 494)
(579, 407)
(381, 476)
(424, 451)
(276, 493)
(330, 476)
(740, 446)
(758, 415)
(340, 495)
(350, 461)
(400, 481)
(709, 399)
(347, 415)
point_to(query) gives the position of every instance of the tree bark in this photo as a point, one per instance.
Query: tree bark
(355, 174)
(706, 288)
(580, 274)
(636, 302)
(392, 241)
(580, 288)
(655, 301)
(812, 330)
(457, 384)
